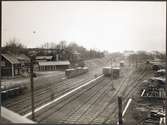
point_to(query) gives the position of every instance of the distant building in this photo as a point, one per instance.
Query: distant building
(43, 58)
(76, 56)
(25, 62)
(127, 53)
(76, 60)
(13, 65)
(53, 65)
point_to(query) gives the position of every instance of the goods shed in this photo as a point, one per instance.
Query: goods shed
(53, 65)
(13, 65)
(10, 66)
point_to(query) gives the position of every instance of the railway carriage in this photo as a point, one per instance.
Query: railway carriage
(107, 71)
(75, 72)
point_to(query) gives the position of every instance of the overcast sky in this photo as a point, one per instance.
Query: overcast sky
(105, 25)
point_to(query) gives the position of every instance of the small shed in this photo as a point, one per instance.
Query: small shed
(53, 65)
(13, 65)
(10, 66)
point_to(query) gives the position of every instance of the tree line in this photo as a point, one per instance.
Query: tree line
(65, 51)
(61, 48)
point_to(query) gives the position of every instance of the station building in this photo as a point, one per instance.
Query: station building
(53, 65)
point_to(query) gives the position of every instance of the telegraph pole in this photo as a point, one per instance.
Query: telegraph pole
(166, 96)
(120, 110)
(32, 55)
(111, 70)
(32, 89)
(136, 61)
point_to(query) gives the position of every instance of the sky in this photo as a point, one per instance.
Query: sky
(102, 25)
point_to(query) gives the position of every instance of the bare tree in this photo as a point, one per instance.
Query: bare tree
(14, 46)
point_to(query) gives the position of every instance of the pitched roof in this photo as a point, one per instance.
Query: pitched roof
(51, 63)
(12, 59)
(15, 59)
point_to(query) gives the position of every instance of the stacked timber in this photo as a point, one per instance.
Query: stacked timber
(160, 73)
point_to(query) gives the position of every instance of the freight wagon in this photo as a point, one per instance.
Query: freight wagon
(11, 90)
(75, 71)
(113, 72)
(107, 71)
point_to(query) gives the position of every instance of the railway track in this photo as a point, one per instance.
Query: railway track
(48, 111)
(27, 93)
(75, 105)
(38, 93)
(113, 111)
(40, 100)
(80, 110)
(58, 78)
(55, 116)
(88, 112)
(110, 100)
(128, 91)
(95, 103)
(99, 104)
(24, 105)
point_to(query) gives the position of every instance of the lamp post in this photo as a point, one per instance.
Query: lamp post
(32, 86)
(32, 57)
